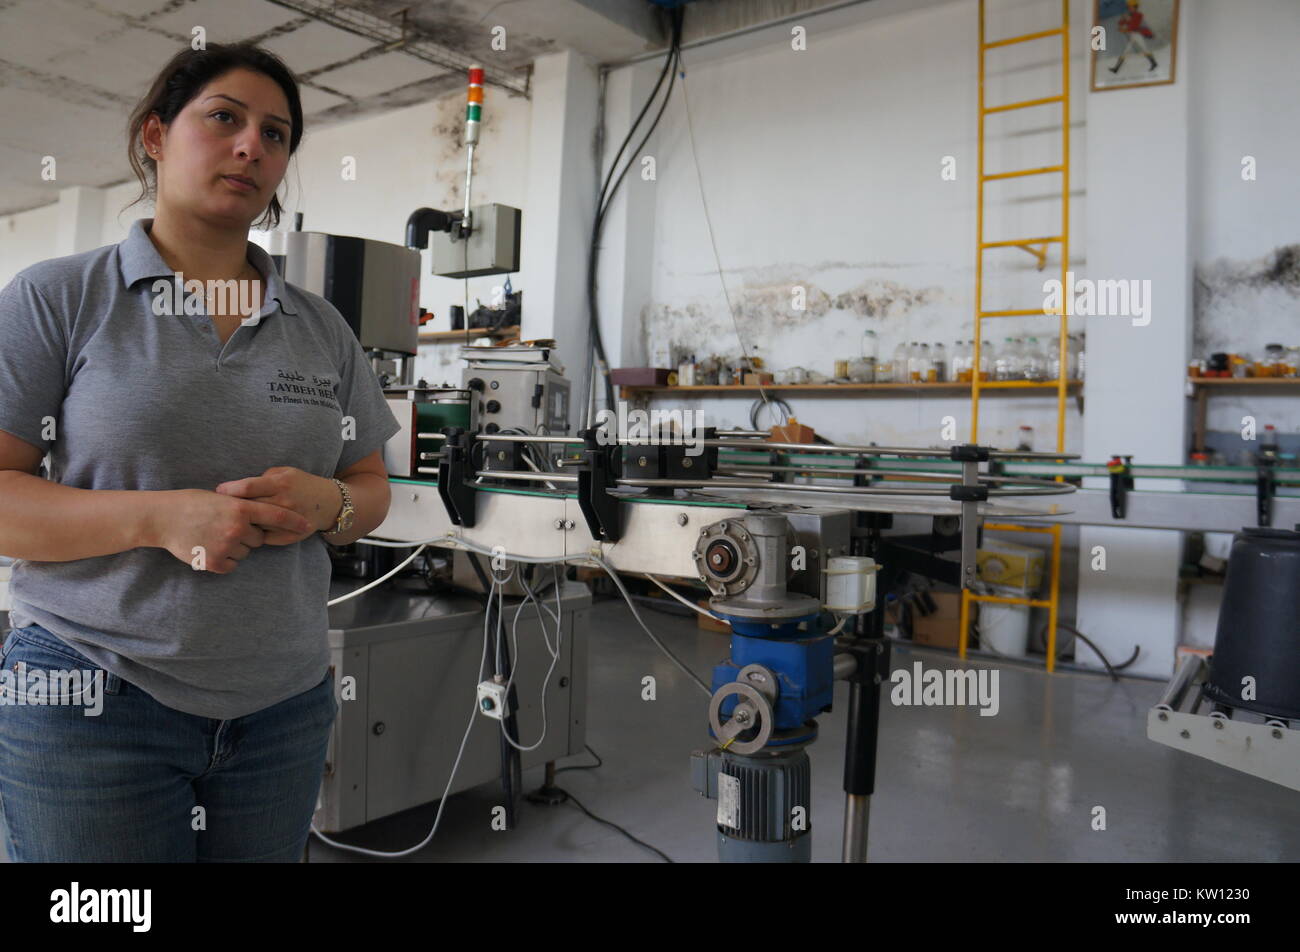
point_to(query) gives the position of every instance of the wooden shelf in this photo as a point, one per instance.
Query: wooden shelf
(1244, 381)
(1071, 386)
(469, 335)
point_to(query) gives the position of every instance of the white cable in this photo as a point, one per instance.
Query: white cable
(637, 615)
(685, 601)
(380, 580)
(555, 657)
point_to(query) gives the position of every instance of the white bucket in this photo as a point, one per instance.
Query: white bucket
(1004, 629)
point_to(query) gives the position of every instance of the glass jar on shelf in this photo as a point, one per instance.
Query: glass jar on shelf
(870, 355)
(1035, 363)
(1273, 363)
(959, 368)
(1007, 364)
(939, 357)
(987, 360)
(925, 364)
(901, 363)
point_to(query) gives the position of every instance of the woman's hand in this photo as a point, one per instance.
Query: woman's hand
(212, 532)
(315, 498)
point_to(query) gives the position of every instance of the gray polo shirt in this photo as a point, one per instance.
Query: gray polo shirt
(148, 402)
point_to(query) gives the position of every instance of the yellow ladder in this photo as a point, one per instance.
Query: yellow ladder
(1038, 247)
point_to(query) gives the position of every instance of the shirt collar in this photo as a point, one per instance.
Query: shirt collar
(138, 258)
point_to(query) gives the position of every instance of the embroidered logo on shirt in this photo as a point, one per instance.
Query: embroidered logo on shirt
(294, 387)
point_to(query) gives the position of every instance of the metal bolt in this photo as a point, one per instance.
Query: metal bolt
(1163, 716)
(559, 524)
(568, 524)
(682, 518)
(1218, 725)
(742, 717)
(1277, 733)
(758, 677)
(877, 679)
(501, 455)
(640, 460)
(378, 728)
(1183, 734)
(686, 463)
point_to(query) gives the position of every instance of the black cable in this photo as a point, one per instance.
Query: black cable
(614, 826)
(757, 405)
(595, 343)
(598, 763)
(1111, 669)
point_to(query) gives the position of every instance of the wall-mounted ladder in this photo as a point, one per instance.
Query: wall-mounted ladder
(1038, 247)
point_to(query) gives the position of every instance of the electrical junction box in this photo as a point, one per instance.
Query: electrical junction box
(492, 699)
(492, 248)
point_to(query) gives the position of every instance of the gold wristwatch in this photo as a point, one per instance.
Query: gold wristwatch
(344, 522)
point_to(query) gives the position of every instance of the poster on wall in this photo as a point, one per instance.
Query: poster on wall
(1137, 45)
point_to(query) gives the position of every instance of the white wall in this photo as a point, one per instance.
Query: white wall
(1245, 104)
(822, 169)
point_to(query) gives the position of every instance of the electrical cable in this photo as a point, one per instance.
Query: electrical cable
(379, 581)
(578, 558)
(599, 762)
(554, 653)
(614, 826)
(785, 408)
(689, 604)
(596, 345)
(1111, 669)
(609, 570)
(708, 221)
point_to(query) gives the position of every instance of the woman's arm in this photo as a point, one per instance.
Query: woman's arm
(47, 522)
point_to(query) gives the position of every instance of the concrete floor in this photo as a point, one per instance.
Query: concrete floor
(951, 785)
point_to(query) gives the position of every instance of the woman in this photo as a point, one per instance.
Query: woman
(165, 692)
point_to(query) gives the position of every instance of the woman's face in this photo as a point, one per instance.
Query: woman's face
(223, 156)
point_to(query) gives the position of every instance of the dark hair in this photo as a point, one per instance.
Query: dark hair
(181, 80)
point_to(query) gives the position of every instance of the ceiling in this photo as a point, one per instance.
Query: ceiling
(71, 71)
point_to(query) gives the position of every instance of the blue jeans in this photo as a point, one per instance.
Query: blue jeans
(127, 784)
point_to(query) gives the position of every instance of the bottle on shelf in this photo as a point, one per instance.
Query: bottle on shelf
(940, 358)
(1274, 362)
(988, 360)
(1079, 363)
(1007, 365)
(959, 367)
(870, 356)
(686, 372)
(925, 364)
(1035, 364)
(1026, 440)
(900, 363)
